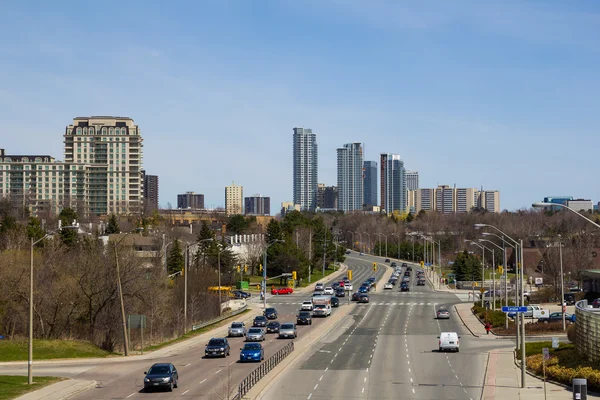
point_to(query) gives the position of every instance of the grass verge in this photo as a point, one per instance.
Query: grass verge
(197, 332)
(12, 387)
(565, 363)
(16, 350)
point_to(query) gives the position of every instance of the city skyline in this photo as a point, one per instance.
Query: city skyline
(461, 109)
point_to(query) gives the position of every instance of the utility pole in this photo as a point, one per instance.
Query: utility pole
(324, 250)
(309, 254)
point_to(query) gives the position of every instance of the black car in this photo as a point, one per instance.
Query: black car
(239, 294)
(260, 321)
(393, 264)
(273, 327)
(355, 296)
(407, 273)
(340, 292)
(335, 302)
(217, 347)
(409, 268)
(304, 318)
(163, 375)
(335, 286)
(421, 282)
(364, 298)
(270, 313)
(348, 252)
(387, 260)
(404, 288)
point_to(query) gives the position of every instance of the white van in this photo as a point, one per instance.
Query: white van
(448, 341)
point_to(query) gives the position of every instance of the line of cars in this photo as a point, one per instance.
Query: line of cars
(362, 295)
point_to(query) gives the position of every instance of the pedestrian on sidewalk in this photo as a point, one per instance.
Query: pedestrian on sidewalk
(488, 327)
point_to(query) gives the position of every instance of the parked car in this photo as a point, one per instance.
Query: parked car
(596, 303)
(255, 335)
(288, 330)
(273, 327)
(217, 347)
(283, 290)
(260, 321)
(252, 352)
(161, 376)
(304, 318)
(270, 313)
(335, 302)
(362, 254)
(306, 305)
(237, 329)
(557, 317)
(348, 252)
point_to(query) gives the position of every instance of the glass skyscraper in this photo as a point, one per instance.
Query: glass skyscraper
(393, 184)
(350, 177)
(370, 183)
(305, 169)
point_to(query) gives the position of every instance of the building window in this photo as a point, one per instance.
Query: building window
(91, 131)
(78, 131)
(104, 131)
(38, 159)
(111, 131)
(123, 131)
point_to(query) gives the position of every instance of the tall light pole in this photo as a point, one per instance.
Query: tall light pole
(369, 246)
(398, 248)
(482, 247)
(30, 341)
(562, 285)
(352, 243)
(360, 242)
(185, 282)
(494, 268)
(265, 269)
(543, 205)
(385, 236)
(519, 255)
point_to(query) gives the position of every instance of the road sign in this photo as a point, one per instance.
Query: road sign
(515, 309)
(554, 342)
(546, 353)
(482, 290)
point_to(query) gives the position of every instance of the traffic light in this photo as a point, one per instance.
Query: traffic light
(182, 271)
(245, 268)
(239, 268)
(374, 266)
(500, 269)
(260, 267)
(294, 275)
(350, 274)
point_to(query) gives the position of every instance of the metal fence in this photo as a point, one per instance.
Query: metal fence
(263, 369)
(587, 331)
(219, 319)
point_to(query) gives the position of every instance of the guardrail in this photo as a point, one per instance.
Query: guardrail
(262, 370)
(587, 331)
(219, 319)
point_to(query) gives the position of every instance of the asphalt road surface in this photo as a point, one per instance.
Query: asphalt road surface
(390, 351)
(199, 378)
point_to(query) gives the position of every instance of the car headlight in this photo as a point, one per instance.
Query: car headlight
(167, 379)
(222, 348)
(146, 380)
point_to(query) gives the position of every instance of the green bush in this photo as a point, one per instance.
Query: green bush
(496, 318)
(564, 374)
(572, 332)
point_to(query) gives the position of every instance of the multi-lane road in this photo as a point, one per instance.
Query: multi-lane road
(390, 350)
(199, 378)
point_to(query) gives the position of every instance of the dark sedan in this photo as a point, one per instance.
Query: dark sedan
(270, 313)
(163, 375)
(260, 321)
(355, 296)
(340, 293)
(304, 318)
(335, 302)
(404, 288)
(557, 317)
(363, 298)
(217, 347)
(273, 327)
(239, 294)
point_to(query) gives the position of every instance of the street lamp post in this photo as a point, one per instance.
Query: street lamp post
(379, 233)
(369, 246)
(398, 248)
(482, 247)
(352, 243)
(494, 268)
(360, 242)
(30, 342)
(265, 270)
(385, 236)
(562, 286)
(519, 255)
(543, 204)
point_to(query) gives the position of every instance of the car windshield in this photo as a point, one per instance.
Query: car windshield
(304, 314)
(287, 326)
(216, 342)
(260, 318)
(237, 325)
(254, 330)
(270, 310)
(158, 369)
(320, 306)
(252, 346)
(273, 323)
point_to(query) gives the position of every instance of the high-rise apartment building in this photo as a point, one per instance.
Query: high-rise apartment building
(327, 197)
(350, 177)
(150, 191)
(110, 150)
(234, 199)
(412, 180)
(191, 200)
(305, 168)
(257, 205)
(447, 200)
(370, 183)
(393, 184)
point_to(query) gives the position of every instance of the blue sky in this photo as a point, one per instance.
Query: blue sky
(502, 95)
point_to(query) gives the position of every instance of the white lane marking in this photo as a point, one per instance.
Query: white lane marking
(367, 369)
(408, 362)
(316, 386)
(456, 376)
(185, 392)
(309, 396)
(409, 370)
(233, 362)
(411, 380)
(218, 371)
(363, 390)
(321, 378)
(413, 390)
(365, 379)
(201, 382)
(340, 349)
(369, 362)
(130, 395)
(187, 365)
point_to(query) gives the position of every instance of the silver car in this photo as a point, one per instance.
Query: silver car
(255, 335)
(288, 330)
(237, 329)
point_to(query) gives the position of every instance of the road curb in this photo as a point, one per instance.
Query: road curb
(343, 268)
(464, 323)
(55, 391)
(259, 390)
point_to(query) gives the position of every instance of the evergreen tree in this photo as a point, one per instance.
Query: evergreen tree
(68, 217)
(204, 244)
(113, 225)
(273, 231)
(175, 258)
(34, 229)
